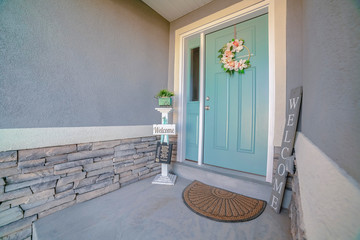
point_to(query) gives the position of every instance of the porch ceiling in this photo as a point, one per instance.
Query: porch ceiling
(174, 9)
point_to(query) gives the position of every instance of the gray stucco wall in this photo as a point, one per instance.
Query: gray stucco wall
(330, 72)
(80, 63)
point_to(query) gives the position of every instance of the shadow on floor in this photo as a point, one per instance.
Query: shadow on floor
(146, 211)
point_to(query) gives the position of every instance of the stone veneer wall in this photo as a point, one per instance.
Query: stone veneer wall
(37, 182)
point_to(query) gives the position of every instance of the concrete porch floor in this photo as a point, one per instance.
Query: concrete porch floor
(146, 211)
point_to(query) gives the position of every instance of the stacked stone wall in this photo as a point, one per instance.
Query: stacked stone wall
(37, 182)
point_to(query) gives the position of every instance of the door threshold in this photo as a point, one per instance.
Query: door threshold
(226, 171)
(243, 183)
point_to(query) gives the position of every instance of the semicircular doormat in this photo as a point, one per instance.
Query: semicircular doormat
(221, 205)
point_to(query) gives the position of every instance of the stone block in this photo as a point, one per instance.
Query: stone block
(128, 178)
(22, 234)
(64, 194)
(152, 164)
(84, 147)
(13, 203)
(142, 145)
(105, 176)
(68, 170)
(106, 158)
(64, 188)
(2, 189)
(4, 206)
(32, 163)
(8, 156)
(2, 182)
(125, 146)
(150, 174)
(129, 182)
(9, 172)
(141, 160)
(143, 172)
(48, 205)
(29, 198)
(156, 168)
(55, 209)
(29, 176)
(43, 186)
(36, 169)
(125, 153)
(98, 165)
(116, 178)
(137, 170)
(130, 140)
(65, 180)
(10, 215)
(122, 159)
(62, 166)
(16, 226)
(148, 139)
(15, 186)
(8, 164)
(37, 153)
(87, 181)
(106, 144)
(138, 155)
(100, 171)
(15, 194)
(93, 187)
(145, 150)
(39, 202)
(40, 195)
(125, 174)
(56, 159)
(96, 193)
(90, 154)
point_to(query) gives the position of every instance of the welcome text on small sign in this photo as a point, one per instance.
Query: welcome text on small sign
(164, 129)
(286, 149)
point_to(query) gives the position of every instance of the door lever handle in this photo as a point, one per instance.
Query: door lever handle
(207, 107)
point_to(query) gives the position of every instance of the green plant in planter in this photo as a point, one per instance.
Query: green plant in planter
(164, 97)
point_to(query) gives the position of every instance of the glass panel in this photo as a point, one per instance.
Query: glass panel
(195, 74)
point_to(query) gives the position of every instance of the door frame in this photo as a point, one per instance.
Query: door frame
(239, 12)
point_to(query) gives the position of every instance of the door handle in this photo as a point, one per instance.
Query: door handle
(207, 107)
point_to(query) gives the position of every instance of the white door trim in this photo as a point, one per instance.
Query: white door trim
(238, 12)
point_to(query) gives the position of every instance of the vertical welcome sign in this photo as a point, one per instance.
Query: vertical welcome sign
(287, 145)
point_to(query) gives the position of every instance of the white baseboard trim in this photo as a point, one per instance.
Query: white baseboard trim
(27, 138)
(329, 196)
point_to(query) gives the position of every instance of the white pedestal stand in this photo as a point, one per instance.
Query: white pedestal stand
(165, 177)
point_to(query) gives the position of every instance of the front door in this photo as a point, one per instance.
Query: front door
(236, 122)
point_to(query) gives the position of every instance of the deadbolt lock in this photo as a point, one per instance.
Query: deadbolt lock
(207, 107)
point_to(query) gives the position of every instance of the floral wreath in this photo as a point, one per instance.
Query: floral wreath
(227, 56)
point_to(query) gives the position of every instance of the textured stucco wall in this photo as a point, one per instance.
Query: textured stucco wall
(323, 53)
(331, 57)
(80, 63)
(329, 200)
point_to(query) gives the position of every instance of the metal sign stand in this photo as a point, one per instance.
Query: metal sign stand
(165, 177)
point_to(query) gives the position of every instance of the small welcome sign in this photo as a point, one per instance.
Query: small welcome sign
(164, 129)
(287, 146)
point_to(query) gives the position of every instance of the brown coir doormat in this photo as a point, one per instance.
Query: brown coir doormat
(221, 205)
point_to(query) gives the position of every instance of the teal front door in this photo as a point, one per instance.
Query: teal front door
(236, 122)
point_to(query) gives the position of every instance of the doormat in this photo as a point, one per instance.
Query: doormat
(221, 205)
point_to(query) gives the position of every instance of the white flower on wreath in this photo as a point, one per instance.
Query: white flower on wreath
(241, 64)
